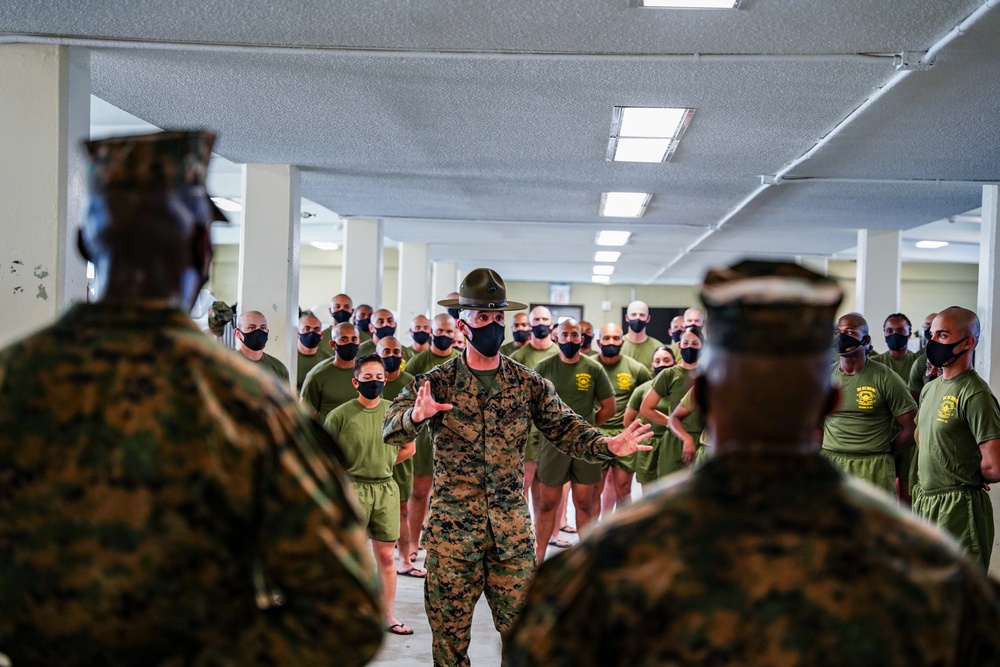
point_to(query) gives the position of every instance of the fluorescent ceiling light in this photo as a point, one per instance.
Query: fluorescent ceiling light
(624, 204)
(325, 245)
(603, 270)
(690, 4)
(931, 244)
(600, 279)
(227, 204)
(608, 237)
(607, 255)
(646, 134)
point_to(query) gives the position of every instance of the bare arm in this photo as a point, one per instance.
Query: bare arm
(630, 416)
(648, 409)
(676, 424)
(904, 439)
(606, 411)
(406, 451)
(990, 465)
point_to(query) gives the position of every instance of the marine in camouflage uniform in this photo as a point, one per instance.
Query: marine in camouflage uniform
(161, 502)
(478, 534)
(767, 554)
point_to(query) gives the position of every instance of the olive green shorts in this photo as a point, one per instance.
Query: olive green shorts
(903, 461)
(556, 468)
(646, 462)
(966, 513)
(402, 474)
(878, 469)
(379, 503)
(531, 447)
(423, 458)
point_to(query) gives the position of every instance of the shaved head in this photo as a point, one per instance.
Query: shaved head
(961, 322)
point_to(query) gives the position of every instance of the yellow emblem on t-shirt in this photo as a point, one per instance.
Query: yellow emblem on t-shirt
(947, 409)
(624, 381)
(583, 381)
(866, 397)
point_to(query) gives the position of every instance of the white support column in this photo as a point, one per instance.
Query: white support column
(878, 278)
(361, 274)
(444, 277)
(413, 283)
(44, 115)
(989, 289)
(269, 255)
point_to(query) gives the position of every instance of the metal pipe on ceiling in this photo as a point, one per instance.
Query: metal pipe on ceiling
(779, 177)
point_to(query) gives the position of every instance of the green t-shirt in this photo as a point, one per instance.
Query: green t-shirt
(635, 402)
(367, 347)
(900, 366)
(393, 387)
(871, 399)
(641, 352)
(270, 364)
(508, 348)
(327, 387)
(625, 375)
(582, 386)
(408, 353)
(530, 357)
(691, 405)
(672, 384)
(306, 363)
(358, 431)
(426, 360)
(955, 416)
(918, 373)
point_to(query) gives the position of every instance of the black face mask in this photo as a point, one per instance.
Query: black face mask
(385, 332)
(943, 354)
(392, 364)
(341, 316)
(676, 336)
(443, 342)
(371, 389)
(927, 334)
(541, 330)
(570, 350)
(896, 342)
(420, 337)
(454, 312)
(657, 369)
(348, 351)
(310, 339)
(587, 341)
(847, 344)
(521, 336)
(611, 350)
(487, 339)
(690, 354)
(636, 325)
(255, 340)
(364, 324)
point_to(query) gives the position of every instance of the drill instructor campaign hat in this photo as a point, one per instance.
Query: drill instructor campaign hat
(482, 289)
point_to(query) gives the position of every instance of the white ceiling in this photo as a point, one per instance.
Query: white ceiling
(482, 128)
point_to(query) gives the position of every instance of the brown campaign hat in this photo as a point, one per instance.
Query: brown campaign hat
(148, 162)
(753, 305)
(482, 289)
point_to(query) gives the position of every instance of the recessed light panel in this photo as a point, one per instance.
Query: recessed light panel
(600, 279)
(690, 4)
(612, 238)
(325, 245)
(931, 245)
(646, 134)
(227, 204)
(624, 204)
(603, 270)
(607, 256)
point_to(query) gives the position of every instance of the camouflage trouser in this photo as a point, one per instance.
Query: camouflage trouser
(453, 587)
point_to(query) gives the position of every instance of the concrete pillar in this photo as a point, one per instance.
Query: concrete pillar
(269, 255)
(989, 289)
(444, 281)
(878, 281)
(413, 283)
(44, 115)
(361, 275)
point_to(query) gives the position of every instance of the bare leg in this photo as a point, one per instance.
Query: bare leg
(623, 486)
(608, 495)
(561, 519)
(387, 575)
(407, 545)
(545, 518)
(583, 500)
(419, 501)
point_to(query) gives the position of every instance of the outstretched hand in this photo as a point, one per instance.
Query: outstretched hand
(425, 406)
(627, 442)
